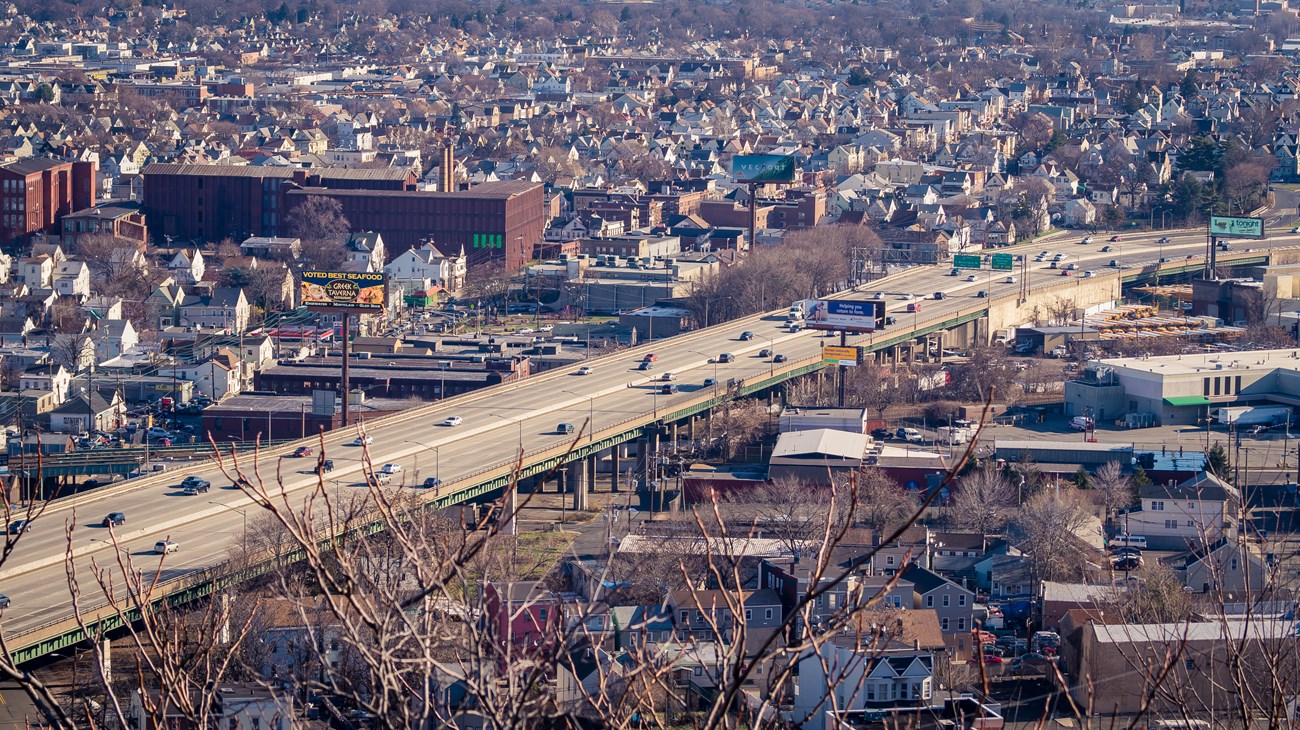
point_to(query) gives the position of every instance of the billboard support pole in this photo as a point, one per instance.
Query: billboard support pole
(753, 214)
(844, 371)
(347, 320)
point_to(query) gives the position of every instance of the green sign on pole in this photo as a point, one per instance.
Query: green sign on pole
(966, 261)
(1003, 262)
(1236, 227)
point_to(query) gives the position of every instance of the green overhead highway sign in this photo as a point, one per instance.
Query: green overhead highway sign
(966, 261)
(1003, 262)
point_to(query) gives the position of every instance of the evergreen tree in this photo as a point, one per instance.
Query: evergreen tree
(1216, 462)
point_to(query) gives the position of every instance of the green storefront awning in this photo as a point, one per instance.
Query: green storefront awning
(1187, 400)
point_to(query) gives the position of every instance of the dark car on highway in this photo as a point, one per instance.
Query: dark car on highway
(114, 519)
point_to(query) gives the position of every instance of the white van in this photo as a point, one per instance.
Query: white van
(1133, 541)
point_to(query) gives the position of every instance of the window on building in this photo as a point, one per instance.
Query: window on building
(1232, 564)
(929, 601)
(541, 613)
(767, 614)
(943, 623)
(1157, 505)
(1237, 387)
(749, 614)
(961, 599)
(1171, 524)
(1218, 385)
(947, 600)
(961, 623)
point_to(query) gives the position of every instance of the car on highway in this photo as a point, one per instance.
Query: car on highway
(764, 352)
(302, 451)
(668, 377)
(199, 487)
(1163, 239)
(972, 277)
(907, 297)
(1165, 260)
(1009, 280)
(431, 483)
(746, 336)
(1089, 274)
(452, 421)
(914, 307)
(1071, 267)
(981, 294)
(379, 479)
(668, 389)
(114, 519)
(392, 469)
(1086, 240)
(18, 527)
(645, 365)
(565, 428)
(1106, 249)
(1114, 263)
(1115, 239)
(191, 481)
(879, 295)
(650, 358)
(165, 547)
(778, 358)
(363, 440)
(726, 357)
(4, 601)
(955, 272)
(939, 295)
(890, 320)
(325, 466)
(709, 382)
(796, 326)
(586, 370)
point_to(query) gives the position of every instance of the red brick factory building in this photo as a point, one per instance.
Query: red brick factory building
(494, 221)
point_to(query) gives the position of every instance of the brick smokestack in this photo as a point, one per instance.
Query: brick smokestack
(447, 183)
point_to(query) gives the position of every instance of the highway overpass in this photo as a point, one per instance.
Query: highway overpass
(499, 424)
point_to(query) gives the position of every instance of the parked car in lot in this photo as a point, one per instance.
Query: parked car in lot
(909, 434)
(882, 434)
(1081, 423)
(165, 547)
(114, 519)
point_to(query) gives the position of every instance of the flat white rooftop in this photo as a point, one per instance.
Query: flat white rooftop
(1210, 362)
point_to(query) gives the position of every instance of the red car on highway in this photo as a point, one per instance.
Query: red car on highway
(650, 358)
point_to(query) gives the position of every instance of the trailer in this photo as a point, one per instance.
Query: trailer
(1254, 415)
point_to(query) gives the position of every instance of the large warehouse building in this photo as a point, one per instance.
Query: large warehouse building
(495, 221)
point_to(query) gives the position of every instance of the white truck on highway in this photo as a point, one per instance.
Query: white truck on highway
(1254, 415)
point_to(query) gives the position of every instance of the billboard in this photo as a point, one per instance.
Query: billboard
(342, 290)
(1003, 262)
(844, 314)
(1236, 227)
(763, 168)
(845, 356)
(966, 261)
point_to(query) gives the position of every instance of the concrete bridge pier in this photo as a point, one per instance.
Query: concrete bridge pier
(106, 658)
(577, 474)
(615, 453)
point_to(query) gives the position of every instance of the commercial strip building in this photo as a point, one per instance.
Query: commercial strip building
(1184, 389)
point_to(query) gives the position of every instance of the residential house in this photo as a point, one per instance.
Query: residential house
(114, 337)
(1240, 568)
(235, 707)
(51, 377)
(1185, 516)
(426, 266)
(106, 414)
(187, 267)
(364, 252)
(72, 279)
(1079, 213)
(521, 613)
(225, 308)
(216, 378)
(701, 614)
(887, 660)
(35, 271)
(954, 604)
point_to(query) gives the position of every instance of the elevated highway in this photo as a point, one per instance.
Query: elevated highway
(613, 405)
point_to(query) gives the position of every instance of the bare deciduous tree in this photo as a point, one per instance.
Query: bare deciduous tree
(985, 500)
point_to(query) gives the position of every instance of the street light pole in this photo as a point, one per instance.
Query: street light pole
(242, 513)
